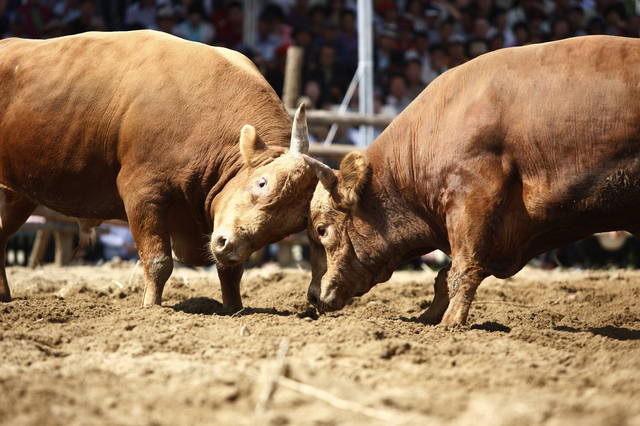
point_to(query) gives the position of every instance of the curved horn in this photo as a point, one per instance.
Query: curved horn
(300, 133)
(326, 176)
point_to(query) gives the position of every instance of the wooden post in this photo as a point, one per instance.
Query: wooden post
(39, 247)
(290, 92)
(64, 248)
(292, 76)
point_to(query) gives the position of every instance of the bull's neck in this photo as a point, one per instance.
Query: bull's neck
(413, 221)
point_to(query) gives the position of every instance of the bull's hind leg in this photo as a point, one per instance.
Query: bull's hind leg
(150, 230)
(14, 212)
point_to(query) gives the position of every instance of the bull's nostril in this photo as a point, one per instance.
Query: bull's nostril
(221, 243)
(313, 300)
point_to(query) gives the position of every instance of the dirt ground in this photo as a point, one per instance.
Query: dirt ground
(542, 348)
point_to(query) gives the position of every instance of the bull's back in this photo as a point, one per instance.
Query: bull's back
(563, 117)
(75, 110)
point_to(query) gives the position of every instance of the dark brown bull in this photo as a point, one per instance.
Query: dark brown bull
(186, 142)
(499, 160)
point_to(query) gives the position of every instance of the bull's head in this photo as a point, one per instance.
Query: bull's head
(267, 200)
(343, 235)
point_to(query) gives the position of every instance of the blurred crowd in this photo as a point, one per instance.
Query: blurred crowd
(414, 40)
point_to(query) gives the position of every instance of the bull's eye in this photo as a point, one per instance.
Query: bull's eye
(321, 231)
(262, 182)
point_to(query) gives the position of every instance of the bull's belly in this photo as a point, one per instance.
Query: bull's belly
(99, 203)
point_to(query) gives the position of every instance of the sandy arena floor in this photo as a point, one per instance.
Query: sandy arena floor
(541, 348)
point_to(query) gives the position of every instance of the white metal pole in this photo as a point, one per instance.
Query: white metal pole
(365, 63)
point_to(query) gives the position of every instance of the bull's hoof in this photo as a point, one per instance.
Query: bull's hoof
(430, 318)
(449, 319)
(5, 298)
(232, 308)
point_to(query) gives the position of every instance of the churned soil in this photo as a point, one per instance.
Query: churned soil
(542, 348)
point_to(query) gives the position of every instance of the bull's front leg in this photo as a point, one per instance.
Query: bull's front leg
(462, 283)
(436, 310)
(230, 285)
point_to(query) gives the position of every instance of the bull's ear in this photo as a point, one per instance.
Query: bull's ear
(251, 146)
(354, 174)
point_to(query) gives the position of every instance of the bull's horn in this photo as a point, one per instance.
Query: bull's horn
(325, 174)
(300, 133)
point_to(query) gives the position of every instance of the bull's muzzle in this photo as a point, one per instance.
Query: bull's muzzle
(313, 295)
(224, 249)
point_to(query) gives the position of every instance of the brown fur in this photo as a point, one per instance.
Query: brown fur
(501, 159)
(145, 127)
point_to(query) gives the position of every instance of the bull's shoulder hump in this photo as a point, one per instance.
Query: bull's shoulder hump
(237, 58)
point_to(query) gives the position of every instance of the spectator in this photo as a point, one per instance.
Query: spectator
(35, 16)
(219, 17)
(55, 28)
(457, 52)
(415, 13)
(84, 22)
(633, 26)
(16, 27)
(330, 36)
(405, 35)
(383, 52)
(266, 41)
(334, 10)
(420, 51)
(67, 10)
(298, 15)
(195, 28)
(476, 48)
(413, 74)
(330, 74)
(141, 14)
(521, 33)
(281, 30)
(482, 30)
(559, 30)
(347, 37)
(445, 33)
(397, 99)
(575, 17)
(499, 22)
(432, 18)
(388, 13)
(436, 64)
(537, 30)
(230, 29)
(596, 26)
(496, 43)
(165, 19)
(317, 17)
(313, 92)
(302, 37)
(612, 21)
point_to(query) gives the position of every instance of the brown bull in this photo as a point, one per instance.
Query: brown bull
(499, 160)
(186, 142)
